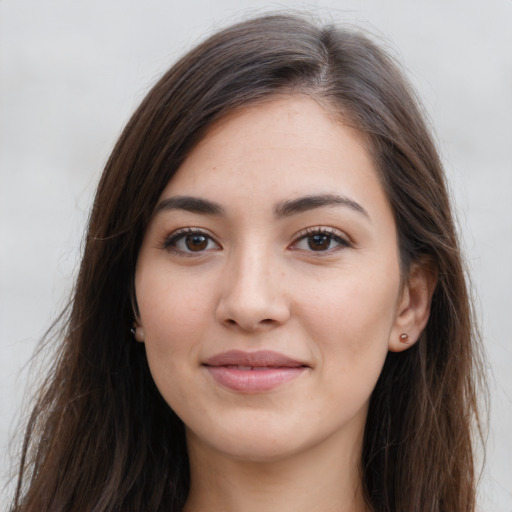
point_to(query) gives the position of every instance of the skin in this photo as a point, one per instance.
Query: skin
(254, 280)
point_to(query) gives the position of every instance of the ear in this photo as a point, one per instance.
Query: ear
(138, 331)
(413, 306)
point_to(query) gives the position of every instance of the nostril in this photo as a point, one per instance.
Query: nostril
(262, 323)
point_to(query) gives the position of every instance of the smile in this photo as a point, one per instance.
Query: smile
(253, 372)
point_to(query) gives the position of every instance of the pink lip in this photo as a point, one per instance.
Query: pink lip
(253, 372)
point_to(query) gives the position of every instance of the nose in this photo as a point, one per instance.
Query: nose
(253, 293)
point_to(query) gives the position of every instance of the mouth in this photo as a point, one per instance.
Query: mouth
(253, 372)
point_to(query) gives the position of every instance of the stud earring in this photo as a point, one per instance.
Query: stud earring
(404, 337)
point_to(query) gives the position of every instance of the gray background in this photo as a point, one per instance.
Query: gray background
(72, 72)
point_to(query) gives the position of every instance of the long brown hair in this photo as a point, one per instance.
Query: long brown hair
(101, 438)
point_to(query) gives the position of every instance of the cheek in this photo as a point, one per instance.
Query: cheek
(173, 316)
(350, 321)
(350, 336)
(168, 301)
(173, 311)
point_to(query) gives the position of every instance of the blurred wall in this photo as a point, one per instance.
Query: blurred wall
(72, 72)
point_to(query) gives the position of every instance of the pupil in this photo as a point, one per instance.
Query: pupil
(319, 242)
(196, 242)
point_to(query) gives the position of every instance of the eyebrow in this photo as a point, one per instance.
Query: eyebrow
(303, 204)
(281, 209)
(190, 204)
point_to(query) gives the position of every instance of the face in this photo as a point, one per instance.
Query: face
(268, 284)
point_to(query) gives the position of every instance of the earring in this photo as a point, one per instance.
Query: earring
(404, 337)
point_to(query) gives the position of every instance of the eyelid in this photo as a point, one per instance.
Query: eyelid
(169, 242)
(174, 236)
(342, 239)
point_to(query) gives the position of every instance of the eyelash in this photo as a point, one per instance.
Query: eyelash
(171, 241)
(331, 233)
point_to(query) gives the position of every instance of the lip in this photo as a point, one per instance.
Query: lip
(253, 372)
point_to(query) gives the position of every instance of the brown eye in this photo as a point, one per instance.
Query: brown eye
(196, 242)
(319, 242)
(189, 242)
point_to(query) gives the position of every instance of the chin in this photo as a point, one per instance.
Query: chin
(260, 442)
(258, 450)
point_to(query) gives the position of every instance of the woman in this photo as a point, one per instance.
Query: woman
(271, 310)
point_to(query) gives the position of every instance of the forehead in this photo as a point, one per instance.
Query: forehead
(286, 147)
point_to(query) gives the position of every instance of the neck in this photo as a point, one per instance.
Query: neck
(321, 479)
